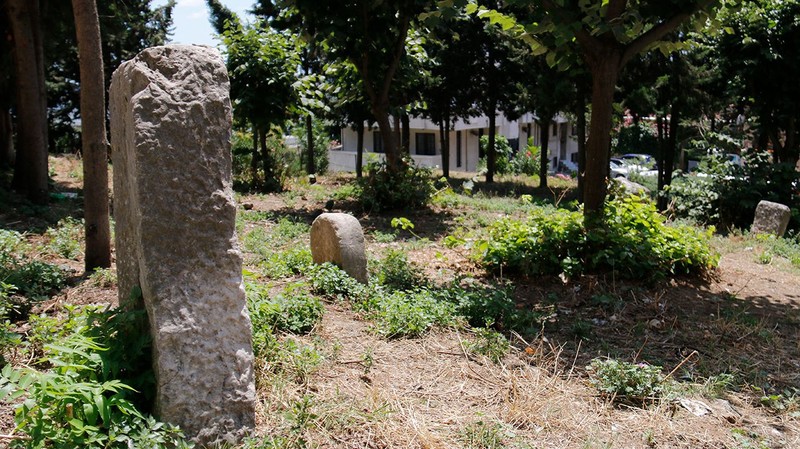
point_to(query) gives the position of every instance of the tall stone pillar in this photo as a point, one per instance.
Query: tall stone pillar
(176, 248)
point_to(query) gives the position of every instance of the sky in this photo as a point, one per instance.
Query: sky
(190, 18)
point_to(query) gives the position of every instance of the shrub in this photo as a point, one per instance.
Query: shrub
(293, 310)
(489, 343)
(728, 195)
(329, 280)
(491, 306)
(635, 242)
(410, 314)
(626, 382)
(397, 273)
(503, 151)
(527, 161)
(408, 188)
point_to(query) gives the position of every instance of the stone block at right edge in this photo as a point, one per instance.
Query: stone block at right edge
(771, 218)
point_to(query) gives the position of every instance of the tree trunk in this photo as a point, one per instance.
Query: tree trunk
(544, 137)
(254, 160)
(393, 159)
(310, 165)
(6, 139)
(405, 140)
(665, 168)
(604, 79)
(93, 136)
(491, 154)
(581, 128)
(360, 150)
(444, 126)
(30, 174)
(396, 135)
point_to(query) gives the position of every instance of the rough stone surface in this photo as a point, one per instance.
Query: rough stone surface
(338, 238)
(630, 188)
(175, 236)
(771, 218)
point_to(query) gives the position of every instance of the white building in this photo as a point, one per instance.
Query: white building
(426, 146)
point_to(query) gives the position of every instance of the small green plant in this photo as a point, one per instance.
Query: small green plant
(632, 383)
(103, 278)
(397, 273)
(293, 261)
(410, 314)
(489, 343)
(66, 239)
(484, 435)
(294, 310)
(329, 280)
(83, 400)
(384, 237)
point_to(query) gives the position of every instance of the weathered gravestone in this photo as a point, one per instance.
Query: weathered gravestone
(771, 218)
(339, 239)
(175, 236)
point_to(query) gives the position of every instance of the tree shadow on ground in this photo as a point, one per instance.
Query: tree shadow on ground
(19, 214)
(694, 327)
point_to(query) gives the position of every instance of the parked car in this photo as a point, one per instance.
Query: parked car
(644, 160)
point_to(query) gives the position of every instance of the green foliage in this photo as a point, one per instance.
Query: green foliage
(83, 401)
(410, 187)
(103, 278)
(409, 314)
(484, 435)
(728, 195)
(66, 239)
(640, 139)
(490, 306)
(32, 279)
(329, 280)
(635, 243)
(397, 273)
(504, 155)
(526, 161)
(293, 261)
(489, 343)
(633, 383)
(293, 310)
(321, 140)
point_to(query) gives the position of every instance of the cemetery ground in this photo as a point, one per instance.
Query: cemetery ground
(334, 370)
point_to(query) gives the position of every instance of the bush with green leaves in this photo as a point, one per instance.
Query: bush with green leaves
(632, 383)
(504, 152)
(85, 399)
(489, 306)
(321, 140)
(489, 343)
(22, 280)
(728, 195)
(331, 281)
(409, 314)
(293, 310)
(526, 161)
(397, 273)
(410, 187)
(634, 242)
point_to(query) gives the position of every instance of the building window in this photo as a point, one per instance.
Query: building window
(574, 129)
(458, 148)
(426, 144)
(377, 142)
(573, 157)
(555, 129)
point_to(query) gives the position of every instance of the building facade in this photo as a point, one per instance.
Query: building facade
(426, 143)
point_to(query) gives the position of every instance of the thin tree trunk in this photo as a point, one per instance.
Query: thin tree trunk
(491, 154)
(254, 160)
(6, 139)
(396, 136)
(310, 165)
(30, 174)
(93, 136)
(443, 131)
(544, 136)
(665, 169)
(393, 159)
(604, 79)
(406, 136)
(360, 150)
(581, 125)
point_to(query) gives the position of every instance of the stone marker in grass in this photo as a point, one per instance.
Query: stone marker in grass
(177, 252)
(339, 239)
